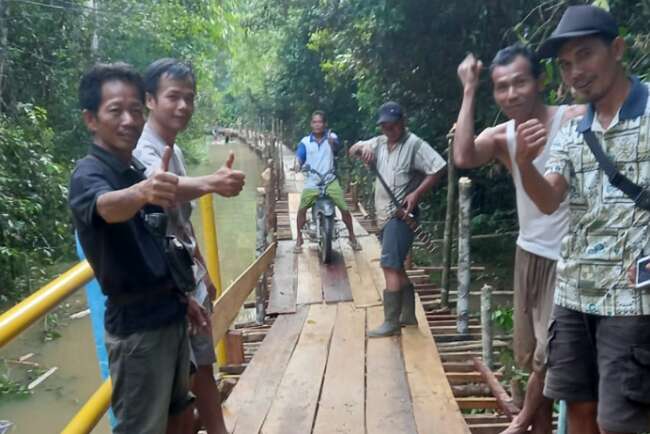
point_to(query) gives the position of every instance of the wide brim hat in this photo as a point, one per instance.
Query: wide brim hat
(576, 22)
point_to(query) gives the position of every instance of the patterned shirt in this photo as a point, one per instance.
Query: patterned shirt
(607, 233)
(403, 169)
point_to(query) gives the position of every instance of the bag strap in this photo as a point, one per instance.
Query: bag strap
(616, 178)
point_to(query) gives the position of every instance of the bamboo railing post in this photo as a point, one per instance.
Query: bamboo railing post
(354, 190)
(449, 222)
(260, 296)
(464, 206)
(486, 324)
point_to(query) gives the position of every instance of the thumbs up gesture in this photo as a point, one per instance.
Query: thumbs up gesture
(160, 188)
(226, 181)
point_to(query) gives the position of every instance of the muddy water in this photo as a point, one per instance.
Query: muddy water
(57, 399)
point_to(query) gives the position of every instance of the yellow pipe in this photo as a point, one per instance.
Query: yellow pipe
(92, 411)
(212, 258)
(25, 313)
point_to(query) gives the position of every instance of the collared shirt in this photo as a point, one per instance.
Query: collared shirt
(318, 154)
(607, 233)
(403, 168)
(149, 151)
(126, 257)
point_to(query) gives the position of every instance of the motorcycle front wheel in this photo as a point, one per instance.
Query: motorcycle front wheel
(325, 239)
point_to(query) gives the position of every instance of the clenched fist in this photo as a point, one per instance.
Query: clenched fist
(531, 139)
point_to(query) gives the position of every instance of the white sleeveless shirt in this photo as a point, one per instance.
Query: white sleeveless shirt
(539, 233)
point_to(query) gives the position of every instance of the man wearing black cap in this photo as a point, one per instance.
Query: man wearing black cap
(410, 167)
(599, 345)
(518, 89)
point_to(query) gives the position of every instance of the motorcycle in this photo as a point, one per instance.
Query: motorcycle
(323, 215)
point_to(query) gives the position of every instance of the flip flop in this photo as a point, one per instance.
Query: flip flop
(297, 249)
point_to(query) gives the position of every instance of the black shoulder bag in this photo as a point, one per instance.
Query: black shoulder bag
(638, 194)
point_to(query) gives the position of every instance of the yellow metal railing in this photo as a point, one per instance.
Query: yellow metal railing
(18, 318)
(92, 411)
(212, 258)
(25, 313)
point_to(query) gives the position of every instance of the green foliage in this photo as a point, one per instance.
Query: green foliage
(34, 230)
(44, 49)
(10, 388)
(503, 318)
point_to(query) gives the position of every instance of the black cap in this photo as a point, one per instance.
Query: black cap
(578, 21)
(389, 112)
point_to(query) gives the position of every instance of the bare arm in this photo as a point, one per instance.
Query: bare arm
(411, 200)
(468, 151)
(159, 189)
(225, 182)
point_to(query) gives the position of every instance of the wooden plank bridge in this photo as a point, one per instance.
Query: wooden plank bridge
(316, 371)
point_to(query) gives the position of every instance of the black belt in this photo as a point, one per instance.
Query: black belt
(140, 297)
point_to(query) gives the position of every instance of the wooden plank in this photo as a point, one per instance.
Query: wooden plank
(372, 253)
(334, 279)
(364, 292)
(283, 287)
(308, 288)
(341, 407)
(294, 406)
(227, 307)
(434, 404)
(474, 403)
(294, 204)
(388, 407)
(234, 347)
(359, 230)
(249, 402)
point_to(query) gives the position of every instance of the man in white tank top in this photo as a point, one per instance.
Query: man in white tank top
(517, 88)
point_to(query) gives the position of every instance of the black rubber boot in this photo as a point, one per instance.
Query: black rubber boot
(407, 318)
(392, 310)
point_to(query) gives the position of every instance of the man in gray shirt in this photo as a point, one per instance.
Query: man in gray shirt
(410, 167)
(171, 88)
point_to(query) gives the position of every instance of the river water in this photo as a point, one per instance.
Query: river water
(55, 401)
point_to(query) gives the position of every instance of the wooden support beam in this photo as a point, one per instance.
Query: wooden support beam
(503, 400)
(234, 347)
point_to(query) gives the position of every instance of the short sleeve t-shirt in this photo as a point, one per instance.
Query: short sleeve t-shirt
(403, 168)
(125, 257)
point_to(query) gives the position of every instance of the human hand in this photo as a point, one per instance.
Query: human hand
(160, 188)
(226, 181)
(199, 319)
(362, 152)
(531, 138)
(409, 203)
(469, 72)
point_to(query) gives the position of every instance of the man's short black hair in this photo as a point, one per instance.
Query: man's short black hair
(90, 87)
(320, 113)
(169, 67)
(507, 55)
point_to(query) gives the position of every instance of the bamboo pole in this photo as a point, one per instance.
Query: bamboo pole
(449, 221)
(260, 310)
(464, 206)
(486, 324)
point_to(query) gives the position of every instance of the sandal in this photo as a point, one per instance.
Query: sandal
(297, 249)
